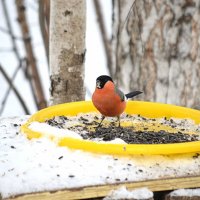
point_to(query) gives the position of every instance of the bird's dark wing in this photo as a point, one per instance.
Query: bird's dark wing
(132, 94)
(120, 93)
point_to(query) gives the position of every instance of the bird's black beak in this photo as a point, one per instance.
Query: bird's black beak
(98, 84)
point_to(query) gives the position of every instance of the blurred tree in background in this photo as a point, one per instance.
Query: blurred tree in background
(23, 50)
(156, 50)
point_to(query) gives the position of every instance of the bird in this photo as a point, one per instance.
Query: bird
(108, 99)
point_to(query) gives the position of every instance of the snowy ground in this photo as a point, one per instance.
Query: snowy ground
(39, 165)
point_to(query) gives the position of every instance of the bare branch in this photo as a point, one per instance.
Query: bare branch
(3, 30)
(43, 11)
(47, 14)
(14, 44)
(9, 89)
(9, 81)
(132, 9)
(23, 65)
(104, 35)
(34, 75)
(25, 68)
(129, 12)
(10, 30)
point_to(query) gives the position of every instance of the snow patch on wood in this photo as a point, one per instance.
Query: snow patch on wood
(123, 193)
(186, 193)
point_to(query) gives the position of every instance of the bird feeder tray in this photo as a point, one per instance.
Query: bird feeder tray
(145, 109)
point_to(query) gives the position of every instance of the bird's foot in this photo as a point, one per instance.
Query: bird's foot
(99, 125)
(118, 119)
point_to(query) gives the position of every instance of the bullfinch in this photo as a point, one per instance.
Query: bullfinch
(108, 99)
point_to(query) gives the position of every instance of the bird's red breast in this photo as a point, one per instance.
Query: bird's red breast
(107, 101)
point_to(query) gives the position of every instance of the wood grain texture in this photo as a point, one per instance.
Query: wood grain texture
(103, 190)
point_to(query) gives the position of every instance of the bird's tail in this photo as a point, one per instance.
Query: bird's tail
(132, 94)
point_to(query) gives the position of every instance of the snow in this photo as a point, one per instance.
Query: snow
(123, 193)
(48, 130)
(37, 165)
(116, 141)
(57, 133)
(186, 192)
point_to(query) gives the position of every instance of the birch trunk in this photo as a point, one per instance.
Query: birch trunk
(67, 50)
(167, 68)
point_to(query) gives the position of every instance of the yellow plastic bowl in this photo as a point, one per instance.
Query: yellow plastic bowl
(146, 109)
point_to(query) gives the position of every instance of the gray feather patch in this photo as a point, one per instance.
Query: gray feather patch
(120, 93)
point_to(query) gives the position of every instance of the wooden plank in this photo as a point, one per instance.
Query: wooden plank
(182, 198)
(103, 190)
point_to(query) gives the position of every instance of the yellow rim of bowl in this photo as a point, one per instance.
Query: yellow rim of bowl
(146, 109)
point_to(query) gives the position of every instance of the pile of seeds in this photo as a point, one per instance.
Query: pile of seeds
(139, 137)
(57, 122)
(107, 132)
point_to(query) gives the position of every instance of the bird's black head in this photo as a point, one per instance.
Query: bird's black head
(102, 80)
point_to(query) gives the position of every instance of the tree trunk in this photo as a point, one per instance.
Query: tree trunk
(67, 50)
(157, 49)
